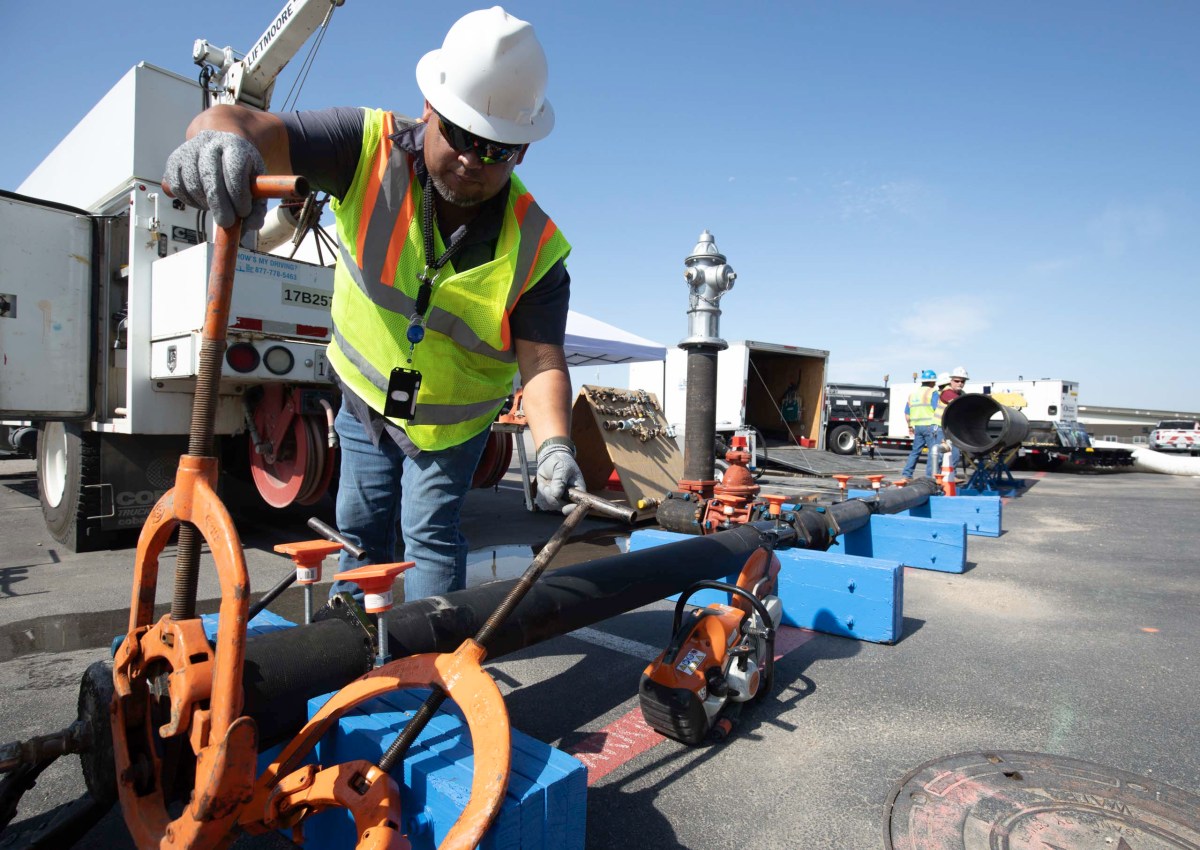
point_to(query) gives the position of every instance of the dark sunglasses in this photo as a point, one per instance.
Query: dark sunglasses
(489, 152)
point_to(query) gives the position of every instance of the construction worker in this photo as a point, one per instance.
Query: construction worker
(956, 380)
(940, 445)
(450, 280)
(922, 424)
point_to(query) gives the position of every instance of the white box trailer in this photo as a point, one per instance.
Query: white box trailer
(102, 294)
(755, 383)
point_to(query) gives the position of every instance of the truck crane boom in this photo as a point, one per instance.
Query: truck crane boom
(250, 80)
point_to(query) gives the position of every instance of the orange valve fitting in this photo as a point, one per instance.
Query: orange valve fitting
(376, 581)
(307, 555)
(875, 479)
(843, 483)
(775, 504)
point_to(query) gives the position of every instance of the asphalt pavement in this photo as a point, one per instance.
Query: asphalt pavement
(1074, 633)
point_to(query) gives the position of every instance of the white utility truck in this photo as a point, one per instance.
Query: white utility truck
(102, 299)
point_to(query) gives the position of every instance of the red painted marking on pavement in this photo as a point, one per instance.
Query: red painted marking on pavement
(628, 736)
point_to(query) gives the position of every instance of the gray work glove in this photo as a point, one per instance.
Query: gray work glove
(557, 473)
(212, 171)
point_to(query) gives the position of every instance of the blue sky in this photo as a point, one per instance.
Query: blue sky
(909, 185)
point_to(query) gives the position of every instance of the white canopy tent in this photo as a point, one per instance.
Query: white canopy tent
(593, 342)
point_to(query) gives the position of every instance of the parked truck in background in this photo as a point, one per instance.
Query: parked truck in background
(1176, 436)
(102, 283)
(855, 415)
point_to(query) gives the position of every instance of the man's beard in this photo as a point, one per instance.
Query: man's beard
(452, 197)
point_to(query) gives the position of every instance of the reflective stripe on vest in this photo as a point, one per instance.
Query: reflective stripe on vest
(427, 414)
(467, 358)
(920, 407)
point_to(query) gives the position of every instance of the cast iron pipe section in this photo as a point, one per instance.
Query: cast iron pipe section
(979, 425)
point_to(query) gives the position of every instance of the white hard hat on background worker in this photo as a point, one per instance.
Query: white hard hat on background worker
(943, 379)
(960, 372)
(489, 77)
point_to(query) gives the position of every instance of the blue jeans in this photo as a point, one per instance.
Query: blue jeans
(369, 502)
(924, 436)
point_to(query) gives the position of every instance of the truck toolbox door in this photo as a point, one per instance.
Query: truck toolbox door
(47, 290)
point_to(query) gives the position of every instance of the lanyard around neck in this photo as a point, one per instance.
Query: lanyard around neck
(416, 322)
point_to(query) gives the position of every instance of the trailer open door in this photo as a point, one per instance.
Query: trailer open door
(47, 296)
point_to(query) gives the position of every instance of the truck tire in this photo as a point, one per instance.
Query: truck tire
(68, 461)
(842, 439)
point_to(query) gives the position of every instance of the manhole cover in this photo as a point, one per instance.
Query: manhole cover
(1032, 801)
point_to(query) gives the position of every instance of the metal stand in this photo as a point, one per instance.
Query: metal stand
(518, 436)
(991, 474)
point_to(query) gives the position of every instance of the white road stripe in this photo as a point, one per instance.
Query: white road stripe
(637, 649)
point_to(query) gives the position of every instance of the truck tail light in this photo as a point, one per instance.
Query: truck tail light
(278, 360)
(242, 357)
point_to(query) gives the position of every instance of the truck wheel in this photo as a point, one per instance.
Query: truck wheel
(842, 439)
(68, 461)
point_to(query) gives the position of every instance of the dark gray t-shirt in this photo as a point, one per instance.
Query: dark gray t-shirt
(325, 147)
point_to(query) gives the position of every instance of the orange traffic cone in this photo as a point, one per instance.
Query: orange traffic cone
(949, 481)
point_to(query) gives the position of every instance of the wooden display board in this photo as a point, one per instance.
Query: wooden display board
(625, 430)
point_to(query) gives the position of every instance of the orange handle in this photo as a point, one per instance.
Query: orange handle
(270, 186)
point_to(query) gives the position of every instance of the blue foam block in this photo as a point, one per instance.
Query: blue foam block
(927, 544)
(545, 805)
(262, 623)
(843, 595)
(979, 510)
(828, 592)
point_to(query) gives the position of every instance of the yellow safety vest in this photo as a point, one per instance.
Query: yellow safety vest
(920, 407)
(467, 359)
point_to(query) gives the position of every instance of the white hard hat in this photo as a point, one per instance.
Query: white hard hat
(943, 379)
(489, 77)
(960, 372)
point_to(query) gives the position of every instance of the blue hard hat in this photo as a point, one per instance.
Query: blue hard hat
(928, 375)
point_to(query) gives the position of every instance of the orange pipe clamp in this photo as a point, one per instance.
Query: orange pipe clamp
(376, 581)
(307, 555)
(774, 504)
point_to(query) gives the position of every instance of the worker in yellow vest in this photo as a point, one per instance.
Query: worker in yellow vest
(941, 445)
(450, 280)
(921, 417)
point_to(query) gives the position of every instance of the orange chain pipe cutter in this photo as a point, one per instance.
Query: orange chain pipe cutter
(176, 700)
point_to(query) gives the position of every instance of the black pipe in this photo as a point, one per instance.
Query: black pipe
(700, 432)
(286, 668)
(979, 425)
(680, 512)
